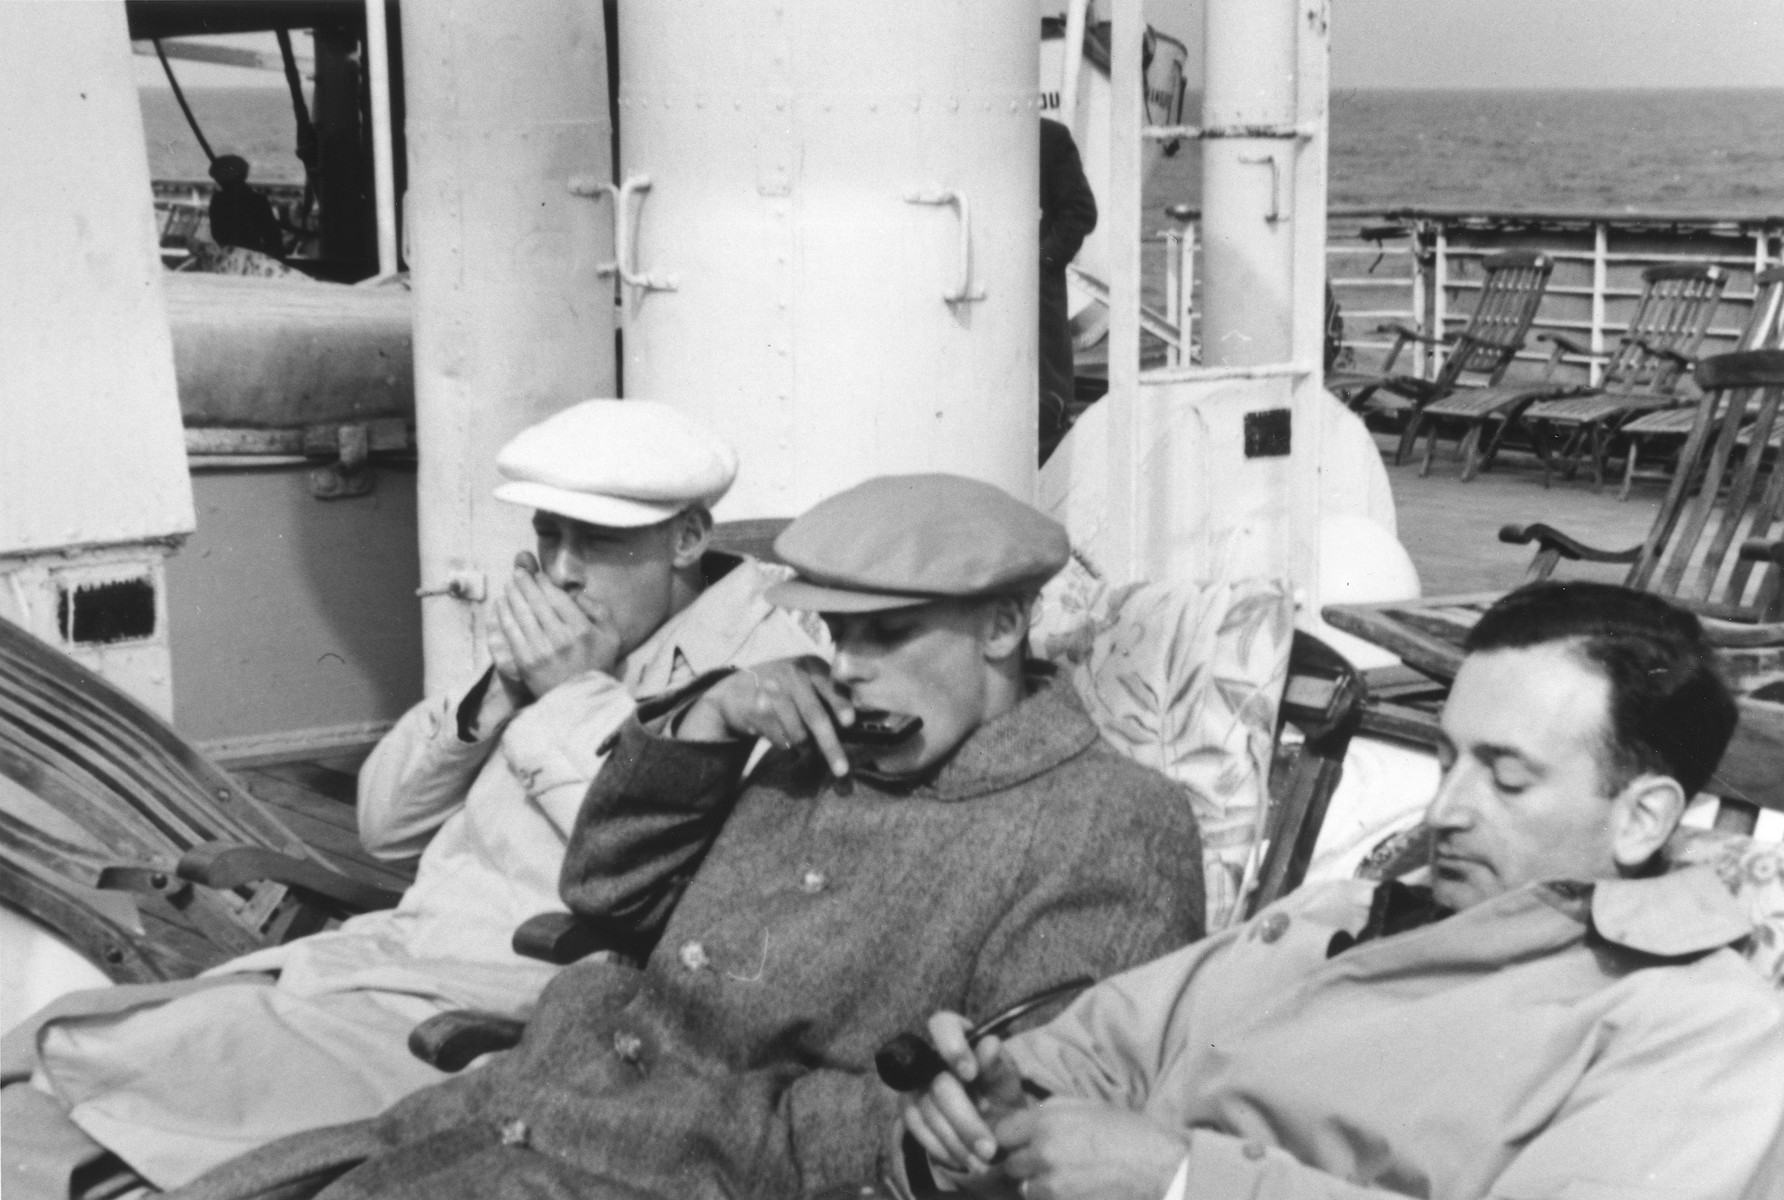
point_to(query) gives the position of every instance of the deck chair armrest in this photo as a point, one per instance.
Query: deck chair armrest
(226, 865)
(1322, 698)
(563, 938)
(1554, 545)
(1408, 334)
(1766, 550)
(1741, 635)
(1683, 361)
(449, 1041)
(1562, 342)
(1324, 692)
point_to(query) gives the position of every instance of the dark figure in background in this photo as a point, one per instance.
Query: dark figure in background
(241, 216)
(1068, 214)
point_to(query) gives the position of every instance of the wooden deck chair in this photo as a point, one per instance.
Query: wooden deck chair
(1764, 331)
(1714, 545)
(1476, 359)
(1677, 303)
(113, 832)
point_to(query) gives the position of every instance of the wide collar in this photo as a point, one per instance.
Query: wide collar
(707, 633)
(1047, 728)
(1672, 915)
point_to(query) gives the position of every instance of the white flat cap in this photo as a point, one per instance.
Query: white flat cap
(620, 463)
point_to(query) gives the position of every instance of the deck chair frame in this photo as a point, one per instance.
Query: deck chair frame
(1712, 545)
(1660, 345)
(1512, 287)
(113, 832)
(1764, 330)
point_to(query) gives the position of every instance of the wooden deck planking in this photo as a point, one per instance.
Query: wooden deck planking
(1451, 528)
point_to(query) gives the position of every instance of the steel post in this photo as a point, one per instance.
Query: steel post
(377, 52)
(512, 320)
(1248, 262)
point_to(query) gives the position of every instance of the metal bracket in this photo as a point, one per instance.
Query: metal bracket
(1275, 213)
(624, 230)
(349, 475)
(964, 292)
(465, 584)
(146, 880)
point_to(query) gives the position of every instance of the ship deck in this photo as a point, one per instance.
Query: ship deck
(1451, 528)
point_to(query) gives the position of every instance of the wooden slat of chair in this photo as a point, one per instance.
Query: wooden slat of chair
(70, 740)
(1323, 699)
(1672, 561)
(1677, 304)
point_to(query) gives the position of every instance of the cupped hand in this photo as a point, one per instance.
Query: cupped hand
(544, 636)
(954, 1118)
(1070, 1149)
(790, 702)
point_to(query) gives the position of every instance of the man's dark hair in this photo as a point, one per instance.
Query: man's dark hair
(1670, 711)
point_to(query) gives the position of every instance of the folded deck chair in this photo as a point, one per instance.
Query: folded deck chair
(123, 840)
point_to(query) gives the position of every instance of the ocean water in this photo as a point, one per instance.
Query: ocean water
(1699, 151)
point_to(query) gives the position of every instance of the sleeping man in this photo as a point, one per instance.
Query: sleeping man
(794, 916)
(1556, 1016)
(621, 599)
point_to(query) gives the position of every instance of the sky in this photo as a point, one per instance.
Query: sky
(1557, 43)
(1434, 44)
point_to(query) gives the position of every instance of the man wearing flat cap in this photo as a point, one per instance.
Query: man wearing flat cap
(798, 896)
(621, 599)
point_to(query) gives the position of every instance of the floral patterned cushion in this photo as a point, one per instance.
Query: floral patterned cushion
(1754, 873)
(1185, 679)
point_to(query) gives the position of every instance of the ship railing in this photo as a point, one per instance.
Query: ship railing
(1421, 267)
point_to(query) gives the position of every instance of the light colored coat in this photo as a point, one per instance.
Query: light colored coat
(1560, 1041)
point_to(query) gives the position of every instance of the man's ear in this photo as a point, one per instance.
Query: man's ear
(693, 533)
(1006, 626)
(1643, 815)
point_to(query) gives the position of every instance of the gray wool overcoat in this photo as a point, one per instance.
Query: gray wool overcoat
(793, 926)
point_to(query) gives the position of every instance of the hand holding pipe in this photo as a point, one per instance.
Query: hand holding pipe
(908, 1063)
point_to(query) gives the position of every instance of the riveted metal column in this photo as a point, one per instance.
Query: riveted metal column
(832, 236)
(512, 319)
(94, 491)
(1248, 265)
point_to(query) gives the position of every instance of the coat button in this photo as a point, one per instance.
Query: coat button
(628, 1047)
(693, 956)
(1274, 926)
(1253, 1150)
(813, 881)
(515, 1133)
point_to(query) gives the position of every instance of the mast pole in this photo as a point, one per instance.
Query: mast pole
(1123, 218)
(377, 52)
(513, 320)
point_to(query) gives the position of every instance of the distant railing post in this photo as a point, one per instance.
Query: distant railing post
(1600, 281)
(1173, 293)
(1439, 301)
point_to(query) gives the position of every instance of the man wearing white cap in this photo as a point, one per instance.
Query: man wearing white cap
(623, 599)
